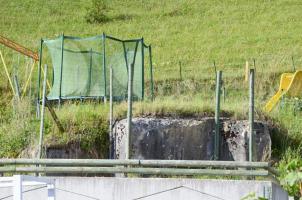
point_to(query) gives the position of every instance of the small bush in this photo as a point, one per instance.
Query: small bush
(290, 168)
(96, 13)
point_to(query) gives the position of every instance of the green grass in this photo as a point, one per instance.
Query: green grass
(192, 32)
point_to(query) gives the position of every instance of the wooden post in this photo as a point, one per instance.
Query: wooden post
(251, 115)
(217, 112)
(129, 114)
(246, 71)
(42, 114)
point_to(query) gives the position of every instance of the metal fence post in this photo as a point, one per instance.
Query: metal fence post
(111, 149)
(39, 78)
(217, 111)
(129, 114)
(151, 73)
(42, 114)
(251, 115)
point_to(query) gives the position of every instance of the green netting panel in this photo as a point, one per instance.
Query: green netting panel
(81, 67)
(78, 67)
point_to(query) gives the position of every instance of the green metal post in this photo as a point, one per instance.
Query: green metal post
(129, 113)
(217, 112)
(143, 68)
(42, 114)
(111, 149)
(39, 78)
(251, 115)
(104, 67)
(151, 73)
(90, 71)
(61, 72)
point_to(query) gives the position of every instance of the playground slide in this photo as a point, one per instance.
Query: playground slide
(290, 85)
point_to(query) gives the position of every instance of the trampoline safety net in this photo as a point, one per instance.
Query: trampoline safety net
(81, 66)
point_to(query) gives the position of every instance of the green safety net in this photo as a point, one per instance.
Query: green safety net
(81, 67)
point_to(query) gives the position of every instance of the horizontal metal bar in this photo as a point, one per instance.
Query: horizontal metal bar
(151, 171)
(113, 38)
(133, 162)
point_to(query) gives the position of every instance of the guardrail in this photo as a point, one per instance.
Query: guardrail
(151, 167)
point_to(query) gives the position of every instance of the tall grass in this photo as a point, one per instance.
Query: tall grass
(193, 32)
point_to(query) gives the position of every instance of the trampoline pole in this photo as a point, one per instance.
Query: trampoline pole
(104, 66)
(39, 78)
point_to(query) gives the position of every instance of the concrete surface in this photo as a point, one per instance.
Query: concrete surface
(109, 188)
(190, 139)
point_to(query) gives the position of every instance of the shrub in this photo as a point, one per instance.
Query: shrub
(96, 13)
(291, 176)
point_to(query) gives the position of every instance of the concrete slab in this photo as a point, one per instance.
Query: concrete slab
(110, 188)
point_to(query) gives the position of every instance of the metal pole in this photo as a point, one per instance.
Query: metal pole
(111, 146)
(251, 115)
(143, 68)
(42, 114)
(137, 170)
(39, 78)
(135, 162)
(217, 111)
(129, 114)
(61, 72)
(104, 67)
(90, 72)
(151, 73)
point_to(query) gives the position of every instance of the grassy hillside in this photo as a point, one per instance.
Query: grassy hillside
(192, 32)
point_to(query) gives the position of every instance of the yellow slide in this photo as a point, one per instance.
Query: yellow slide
(290, 85)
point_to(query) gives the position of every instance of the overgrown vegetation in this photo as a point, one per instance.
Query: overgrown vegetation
(193, 33)
(96, 13)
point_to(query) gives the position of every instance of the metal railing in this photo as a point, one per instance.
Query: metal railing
(150, 167)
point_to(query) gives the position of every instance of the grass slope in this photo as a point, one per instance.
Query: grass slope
(192, 32)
